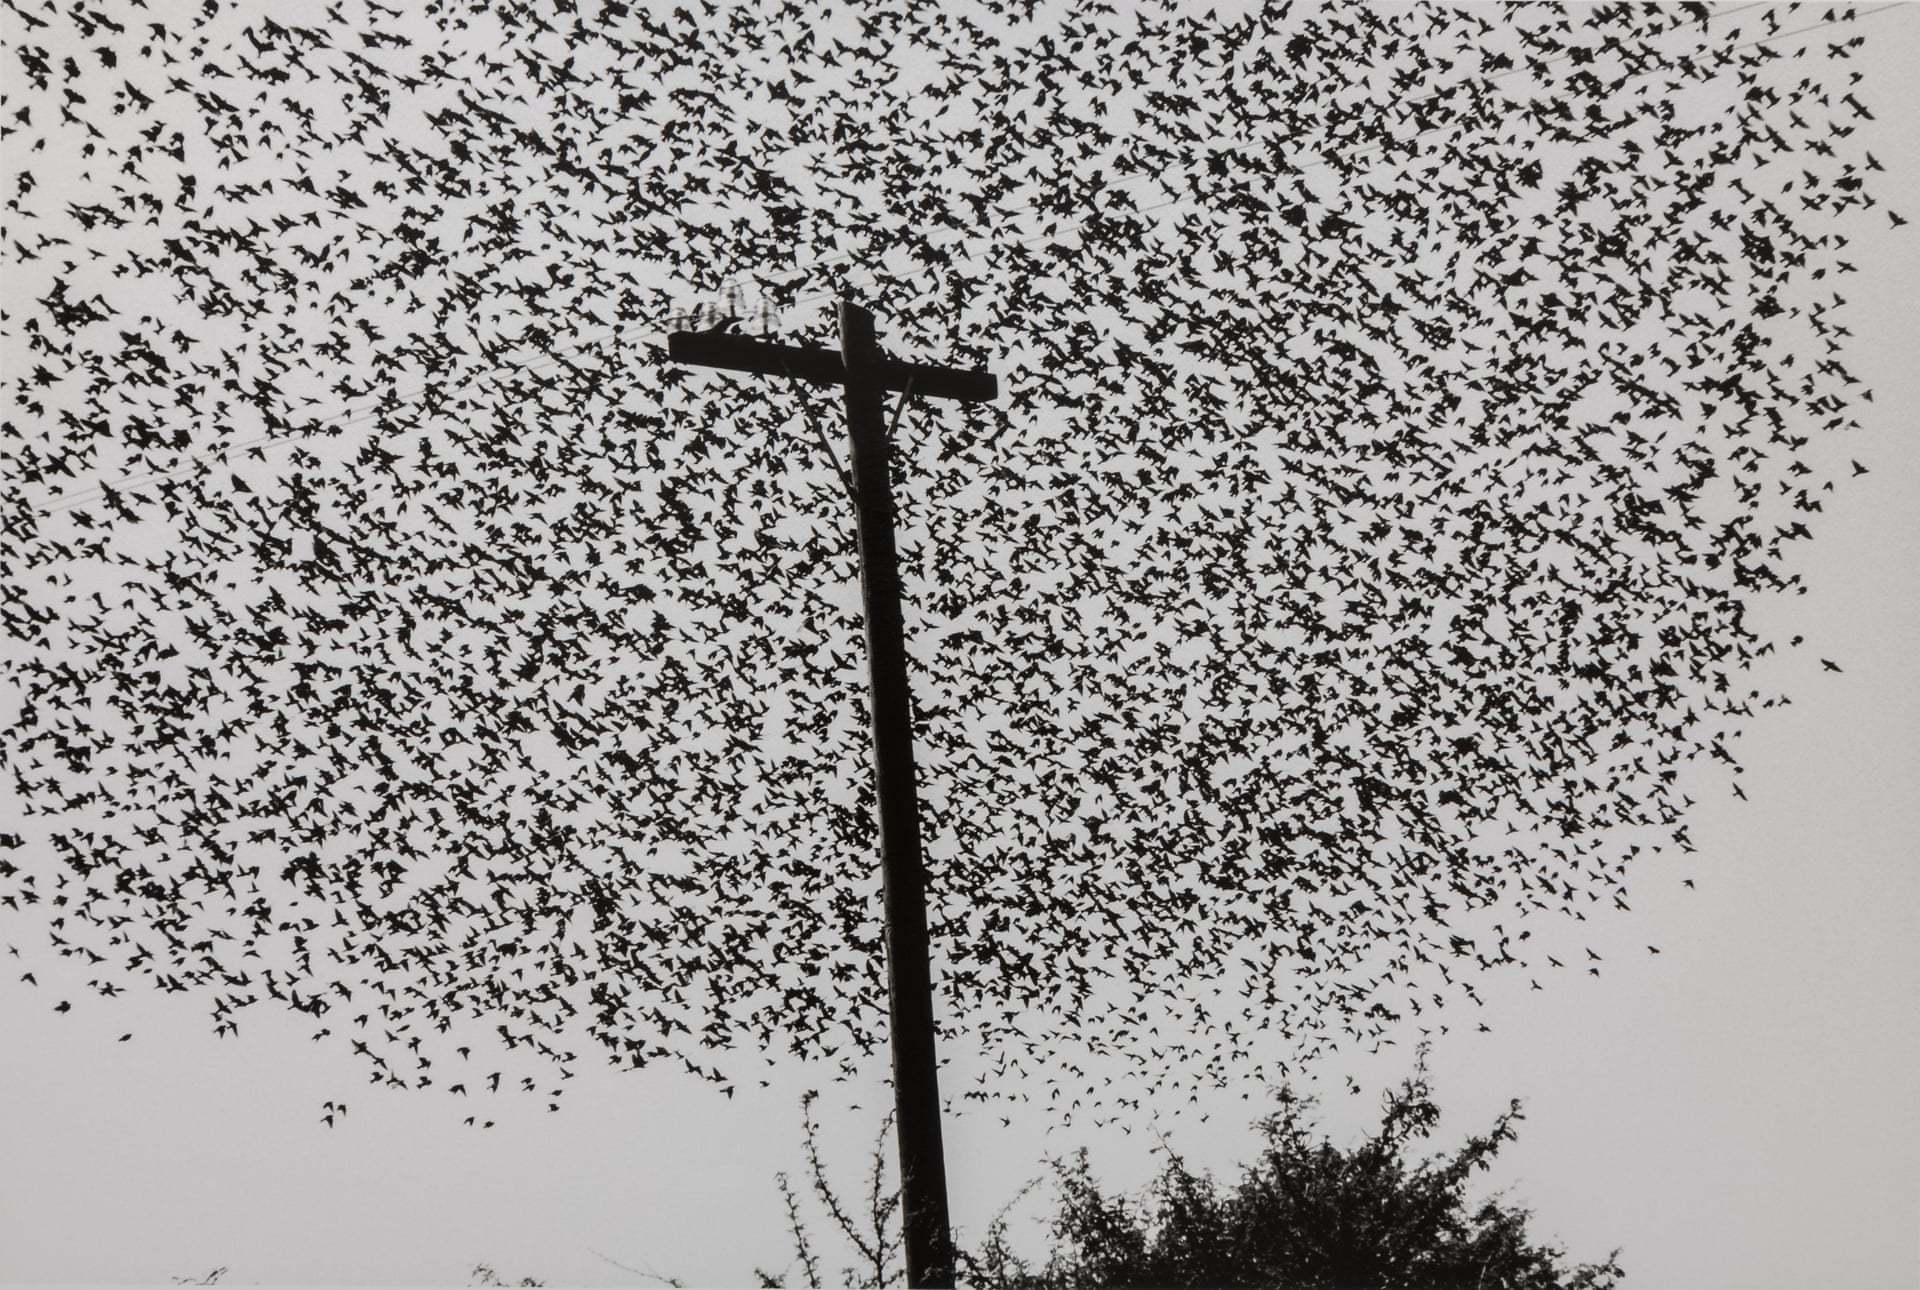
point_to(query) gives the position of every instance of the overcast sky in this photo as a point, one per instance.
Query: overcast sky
(1737, 1111)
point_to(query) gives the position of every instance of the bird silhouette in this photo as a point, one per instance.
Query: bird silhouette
(1396, 454)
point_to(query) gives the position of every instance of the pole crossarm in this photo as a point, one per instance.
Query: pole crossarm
(824, 366)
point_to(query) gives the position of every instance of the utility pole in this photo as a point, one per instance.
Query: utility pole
(866, 375)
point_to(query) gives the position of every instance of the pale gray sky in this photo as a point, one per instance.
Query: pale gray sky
(1739, 1111)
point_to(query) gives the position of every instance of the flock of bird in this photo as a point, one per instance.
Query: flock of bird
(1407, 411)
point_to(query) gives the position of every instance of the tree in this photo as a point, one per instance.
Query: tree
(870, 1228)
(1410, 408)
(1305, 1215)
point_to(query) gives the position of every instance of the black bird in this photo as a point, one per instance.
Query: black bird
(1313, 535)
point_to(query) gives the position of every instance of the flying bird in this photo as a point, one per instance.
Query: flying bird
(1359, 544)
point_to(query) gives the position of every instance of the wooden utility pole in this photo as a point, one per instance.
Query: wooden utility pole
(865, 375)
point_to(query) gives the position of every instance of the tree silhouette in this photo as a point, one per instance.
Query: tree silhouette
(1409, 408)
(1305, 1214)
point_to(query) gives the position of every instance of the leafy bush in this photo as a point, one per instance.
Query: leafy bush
(1304, 1214)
